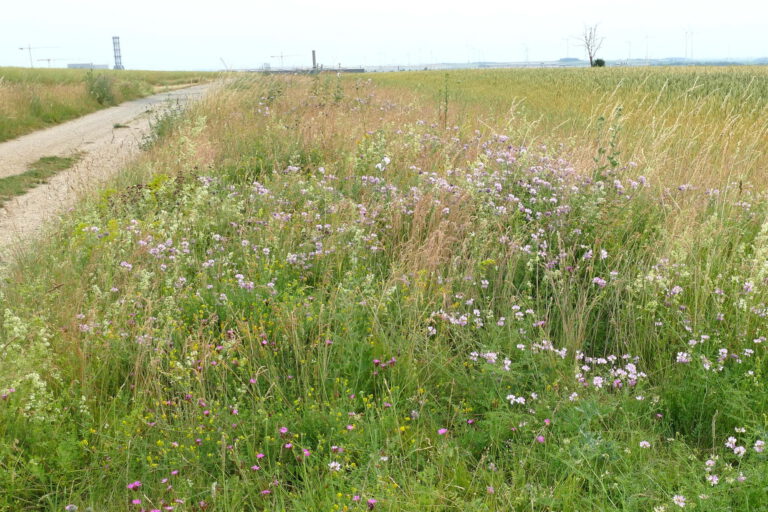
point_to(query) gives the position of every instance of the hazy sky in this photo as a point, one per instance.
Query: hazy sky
(192, 34)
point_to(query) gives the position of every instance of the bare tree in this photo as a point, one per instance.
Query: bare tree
(591, 42)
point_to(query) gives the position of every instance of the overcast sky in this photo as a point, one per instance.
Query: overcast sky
(192, 34)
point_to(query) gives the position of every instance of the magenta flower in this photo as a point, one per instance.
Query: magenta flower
(539, 439)
(442, 431)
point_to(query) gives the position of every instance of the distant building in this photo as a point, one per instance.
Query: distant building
(87, 65)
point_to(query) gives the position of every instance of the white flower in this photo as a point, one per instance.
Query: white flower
(645, 444)
(678, 500)
(334, 466)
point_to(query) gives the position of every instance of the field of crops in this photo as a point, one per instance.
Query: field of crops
(31, 99)
(703, 125)
(539, 290)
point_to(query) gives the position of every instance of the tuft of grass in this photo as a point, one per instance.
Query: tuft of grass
(37, 173)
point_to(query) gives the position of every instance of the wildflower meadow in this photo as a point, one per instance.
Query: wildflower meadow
(343, 294)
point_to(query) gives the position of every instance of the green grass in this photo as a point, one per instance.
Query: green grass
(310, 294)
(31, 99)
(37, 173)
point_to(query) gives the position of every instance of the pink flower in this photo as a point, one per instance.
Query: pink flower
(539, 439)
(134, 485)
(283, 430)
(371, 503)
(442, 431)
(259, 455)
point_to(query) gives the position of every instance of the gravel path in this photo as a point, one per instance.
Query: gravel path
(105, 150)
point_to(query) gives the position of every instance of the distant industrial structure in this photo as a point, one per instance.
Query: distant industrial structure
(87, 65)
(297, 70)
(118, 55)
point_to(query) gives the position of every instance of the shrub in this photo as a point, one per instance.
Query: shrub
(100, 88)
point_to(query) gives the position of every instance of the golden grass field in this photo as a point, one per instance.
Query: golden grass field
(703, 125)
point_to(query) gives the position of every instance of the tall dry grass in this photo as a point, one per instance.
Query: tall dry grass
(701, 126)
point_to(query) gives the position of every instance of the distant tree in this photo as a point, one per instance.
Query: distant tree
(599, 63)
(592, 43)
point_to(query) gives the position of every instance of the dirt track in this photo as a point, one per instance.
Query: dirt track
(106, 150)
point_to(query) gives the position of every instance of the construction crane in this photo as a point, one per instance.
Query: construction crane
(282, 57)
(29, 48)
(49, 61)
